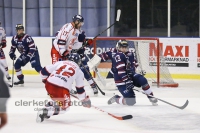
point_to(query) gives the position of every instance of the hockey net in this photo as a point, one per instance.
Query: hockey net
(146, 51)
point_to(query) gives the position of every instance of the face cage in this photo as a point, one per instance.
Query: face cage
(127, 48)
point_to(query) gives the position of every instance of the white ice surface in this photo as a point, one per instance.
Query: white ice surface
(146, 118)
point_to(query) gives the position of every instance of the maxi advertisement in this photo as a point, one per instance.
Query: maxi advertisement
(173, 56)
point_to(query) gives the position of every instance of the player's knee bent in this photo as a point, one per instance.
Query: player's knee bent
(142, 80)
(130, 101)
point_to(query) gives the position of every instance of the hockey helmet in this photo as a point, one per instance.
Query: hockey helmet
(78, 17)
(75, 58)
(121, 43)
(19, 26)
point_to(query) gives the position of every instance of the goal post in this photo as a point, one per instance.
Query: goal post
(148, 53)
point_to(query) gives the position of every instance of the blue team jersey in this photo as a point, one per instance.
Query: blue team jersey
(120, 64)
(109, 54)
(25, 45)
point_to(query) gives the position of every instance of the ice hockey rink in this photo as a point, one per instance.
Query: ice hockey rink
(146, 118)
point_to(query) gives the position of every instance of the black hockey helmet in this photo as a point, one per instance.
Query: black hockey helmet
(75, 58)
(122, 43)
(19, 26)
(78, 18)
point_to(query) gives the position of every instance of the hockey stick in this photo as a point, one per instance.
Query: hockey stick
(12, 74)
(126, 117)
(98, 74)
(117, 20)
(103, 93)
(180, 107)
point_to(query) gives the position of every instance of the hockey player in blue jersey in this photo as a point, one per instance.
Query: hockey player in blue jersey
(28, 53)
(123, 67)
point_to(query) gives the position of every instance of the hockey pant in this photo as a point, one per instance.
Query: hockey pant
(61, 99)
(55, 56)
(35, 63)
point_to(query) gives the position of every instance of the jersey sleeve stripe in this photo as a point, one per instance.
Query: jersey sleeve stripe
(120, 65)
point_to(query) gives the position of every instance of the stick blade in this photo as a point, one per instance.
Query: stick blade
(185, 105)
(118, 14)
(126, 117)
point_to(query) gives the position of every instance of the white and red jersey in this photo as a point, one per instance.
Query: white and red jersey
(63, 74)
(66, 38)
(2, 34)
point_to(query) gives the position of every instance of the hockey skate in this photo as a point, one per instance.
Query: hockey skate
(153, 100)
(95, 90)
(113, 99)
(41, 115)
(20, 82)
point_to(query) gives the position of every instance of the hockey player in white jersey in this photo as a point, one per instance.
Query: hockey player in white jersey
(71, 38)
(58, 79)
(2, 55)
(67, 37)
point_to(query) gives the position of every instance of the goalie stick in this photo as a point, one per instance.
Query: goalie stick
(97, 72)
(179, 107)
(126, 117)
(103, 93)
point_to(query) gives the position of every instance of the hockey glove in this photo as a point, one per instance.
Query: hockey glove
(3, 43)
(65, 55)
(86, 102)
(131, 72)
(12, 56)
(81, 37)
(88, 43)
